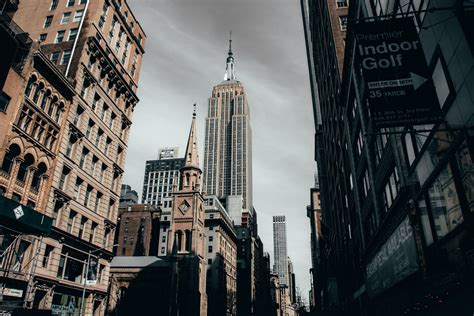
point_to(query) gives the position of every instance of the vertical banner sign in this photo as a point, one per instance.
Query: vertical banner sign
(92, 271)
(399, 86)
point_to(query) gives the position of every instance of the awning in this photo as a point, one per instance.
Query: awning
(23, 218)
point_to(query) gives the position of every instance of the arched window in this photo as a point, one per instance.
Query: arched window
(44, 101)
(28, 161)
(179, 239)
(29, 86)
(13, 151)
(59, 110)
(35, 184)
(38, 91)
(188, 240)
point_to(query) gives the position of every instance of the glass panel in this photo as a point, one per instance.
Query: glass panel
(425, 221)
(445, 203)
(466, 168)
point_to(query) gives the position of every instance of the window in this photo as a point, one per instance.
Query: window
(54, 57)
(70, 221)
(93, 229)
(59, 37)
(101, 22)
(63, 178)
(4, 100)
(46, 257)
(209, 249)
(211, 238)
(66, 57)
(42, 37)
(343, 22)
(82, 1)
(72, 35)
(341, 3)
(77, 189)
(78, 16)
(87, 195)
(81, 226)
(47, 21)
(66, 17)
(54, 5)
(441, 83)
(70, 3)
(83, 158)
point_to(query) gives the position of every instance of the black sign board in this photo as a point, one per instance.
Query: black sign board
(399, 86)
(395, 260)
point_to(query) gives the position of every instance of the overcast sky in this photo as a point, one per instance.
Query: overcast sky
(186, 50)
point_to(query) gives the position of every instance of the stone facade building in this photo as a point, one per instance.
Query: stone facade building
(221, 256)
(63, 151)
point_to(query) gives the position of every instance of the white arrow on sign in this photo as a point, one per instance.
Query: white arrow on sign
(417, 80)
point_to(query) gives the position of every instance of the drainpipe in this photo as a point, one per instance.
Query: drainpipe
(77, 38)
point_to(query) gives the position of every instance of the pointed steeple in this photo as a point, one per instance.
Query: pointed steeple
(192, 157)
(229, 70)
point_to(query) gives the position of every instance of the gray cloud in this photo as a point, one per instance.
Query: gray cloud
(185, 56)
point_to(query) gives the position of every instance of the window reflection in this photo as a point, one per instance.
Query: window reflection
(466, 169)
(444, 201)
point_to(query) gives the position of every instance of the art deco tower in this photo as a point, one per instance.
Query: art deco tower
(228, 144)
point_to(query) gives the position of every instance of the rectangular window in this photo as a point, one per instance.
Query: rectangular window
(70, 222)
(47, 21)
(343, 22)
(4, 101)
(66, 57)
(66, 17)
(78, 16)
(341, 3)
(209, 249)
(444, 202)
(441, 83)
(72, 35)
(81, 226)
(70, 3)
(87, 195)
(54, 57)
(93, 229)
(63, 178)
(42, 37)
(54, 5)
(59, 37)
(47, 255)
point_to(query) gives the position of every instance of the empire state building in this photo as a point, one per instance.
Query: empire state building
(228, 140)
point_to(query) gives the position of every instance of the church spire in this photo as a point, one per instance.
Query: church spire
(192, 157)
(229, 70)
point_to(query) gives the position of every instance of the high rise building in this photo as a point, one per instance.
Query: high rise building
(127, 196)
(160, 176)
(280, 257)
(409, 180)
(228, 140)
(63, 149)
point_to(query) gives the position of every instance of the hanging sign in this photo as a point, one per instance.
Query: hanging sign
(400, 90)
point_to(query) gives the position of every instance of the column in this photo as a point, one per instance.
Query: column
(13, 173)
(28, 180)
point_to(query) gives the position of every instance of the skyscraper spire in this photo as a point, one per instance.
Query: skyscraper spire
(229, 71)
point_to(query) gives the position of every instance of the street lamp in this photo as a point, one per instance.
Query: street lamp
(87, 272)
